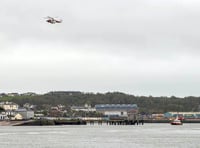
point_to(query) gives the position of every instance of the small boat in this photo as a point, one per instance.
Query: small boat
(176, 122)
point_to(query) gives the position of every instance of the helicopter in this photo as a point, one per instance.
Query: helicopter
(52, 20)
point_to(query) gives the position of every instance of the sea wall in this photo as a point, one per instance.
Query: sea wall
(45, 122)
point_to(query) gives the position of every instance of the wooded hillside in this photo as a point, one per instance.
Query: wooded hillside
(146, 104)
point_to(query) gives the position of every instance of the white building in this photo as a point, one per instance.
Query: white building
(3, 117)
(17, 117)
(86, 108)
(9, 106)
(121, 110)
(26, 114)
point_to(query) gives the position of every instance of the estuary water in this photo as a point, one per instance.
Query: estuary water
(101, 136)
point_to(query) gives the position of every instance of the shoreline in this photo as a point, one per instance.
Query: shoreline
(68, 122)
(13, 123)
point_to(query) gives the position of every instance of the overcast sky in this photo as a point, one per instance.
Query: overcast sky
(140, 47)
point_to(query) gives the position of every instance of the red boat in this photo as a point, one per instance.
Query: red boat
(176, 122)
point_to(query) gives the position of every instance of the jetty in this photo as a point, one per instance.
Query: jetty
(48, 121)
(114, 120)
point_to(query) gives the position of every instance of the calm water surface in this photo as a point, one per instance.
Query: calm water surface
(95, 136)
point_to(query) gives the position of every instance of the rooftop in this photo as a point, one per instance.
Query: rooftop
(116, 106)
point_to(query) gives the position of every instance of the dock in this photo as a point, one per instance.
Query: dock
(113, 121)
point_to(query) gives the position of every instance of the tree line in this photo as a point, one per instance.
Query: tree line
(146, 104)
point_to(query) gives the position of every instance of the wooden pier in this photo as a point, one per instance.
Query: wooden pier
(114, 121)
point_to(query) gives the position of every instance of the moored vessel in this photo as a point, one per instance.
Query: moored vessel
(176, 122)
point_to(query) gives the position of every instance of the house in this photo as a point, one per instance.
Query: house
(29, 94)
(12, 94)
(29, 106)
(56, 112)
(9, 105)
(38, 116)
(85, 108)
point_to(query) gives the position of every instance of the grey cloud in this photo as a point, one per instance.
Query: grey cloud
(125, 42)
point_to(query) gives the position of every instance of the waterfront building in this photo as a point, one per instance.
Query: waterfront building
(3, 116)
(10, 113)
(119, 110)
(157, 116)
(38, 115)
(25, 114)
(17, 117)
(185, 115)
